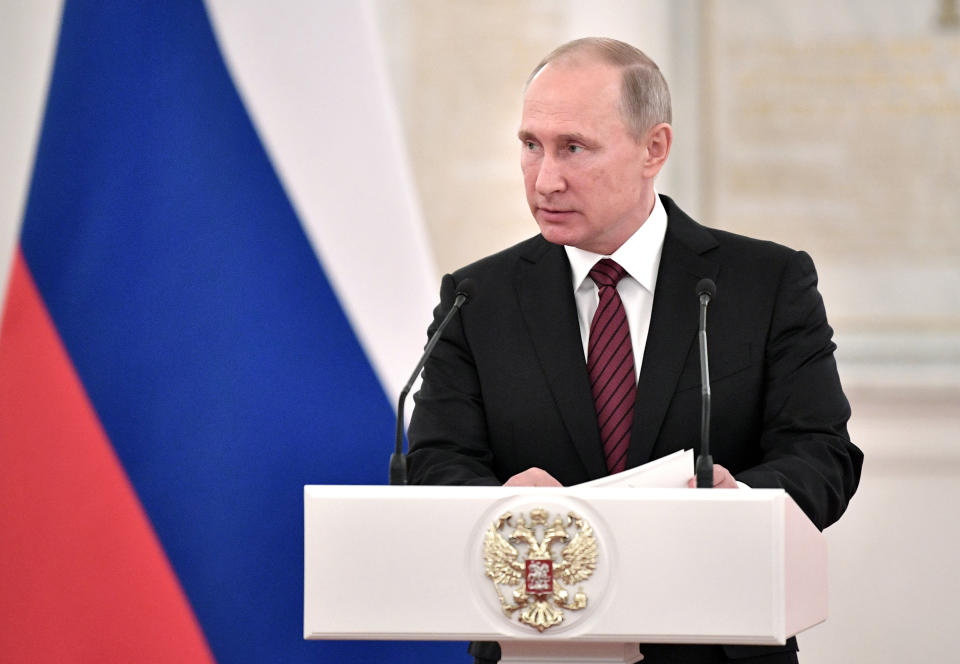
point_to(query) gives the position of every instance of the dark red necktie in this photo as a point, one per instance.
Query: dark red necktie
(610, 365)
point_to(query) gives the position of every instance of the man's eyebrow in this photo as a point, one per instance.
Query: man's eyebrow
(572, 138)
(524, 135)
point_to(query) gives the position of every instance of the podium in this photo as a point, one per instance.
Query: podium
(568, 574)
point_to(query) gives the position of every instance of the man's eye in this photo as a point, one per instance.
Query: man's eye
(574, 148)
(530, 145)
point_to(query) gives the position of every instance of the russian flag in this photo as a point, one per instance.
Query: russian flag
(220, 283)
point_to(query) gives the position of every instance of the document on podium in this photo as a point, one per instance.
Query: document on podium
(670, 472)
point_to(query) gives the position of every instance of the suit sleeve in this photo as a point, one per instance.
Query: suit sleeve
(804, 442)
(448, 430)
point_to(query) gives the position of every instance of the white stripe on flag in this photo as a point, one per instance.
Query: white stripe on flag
(312, 78)
(28, 41)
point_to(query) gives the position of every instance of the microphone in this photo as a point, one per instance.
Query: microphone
(706, 292)
(398, 460)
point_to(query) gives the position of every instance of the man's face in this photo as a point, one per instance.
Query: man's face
(583, 171)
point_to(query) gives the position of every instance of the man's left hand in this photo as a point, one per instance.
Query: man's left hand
(722, 479)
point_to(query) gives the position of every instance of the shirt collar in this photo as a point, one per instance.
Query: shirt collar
(639, 255)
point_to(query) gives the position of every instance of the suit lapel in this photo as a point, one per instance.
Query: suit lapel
(673, 327)
(549, 310)
(545, 294)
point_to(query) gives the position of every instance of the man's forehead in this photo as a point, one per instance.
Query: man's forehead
(573, 61)
(571, 95)
(567, 83)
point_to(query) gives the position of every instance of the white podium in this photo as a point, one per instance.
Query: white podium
(619, 566)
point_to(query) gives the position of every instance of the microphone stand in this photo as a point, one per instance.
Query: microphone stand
(706, 289)
(398, 460)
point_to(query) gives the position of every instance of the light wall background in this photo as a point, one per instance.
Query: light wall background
(829, 126)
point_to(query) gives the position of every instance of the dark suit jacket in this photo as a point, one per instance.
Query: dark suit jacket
(507, 386)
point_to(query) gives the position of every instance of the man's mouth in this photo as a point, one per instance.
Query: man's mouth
(549, 210)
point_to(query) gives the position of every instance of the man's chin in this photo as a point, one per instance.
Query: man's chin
(558, 238)
(557, 234)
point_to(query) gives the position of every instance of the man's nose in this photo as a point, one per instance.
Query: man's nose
(550, 177)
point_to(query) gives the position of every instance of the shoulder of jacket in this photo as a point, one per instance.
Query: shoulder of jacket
(531, 249)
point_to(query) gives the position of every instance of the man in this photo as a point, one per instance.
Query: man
(577, 356)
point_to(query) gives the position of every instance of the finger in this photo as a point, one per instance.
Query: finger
(723, 478)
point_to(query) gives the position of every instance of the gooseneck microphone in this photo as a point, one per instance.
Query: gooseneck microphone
(398, 460)
(706, 292)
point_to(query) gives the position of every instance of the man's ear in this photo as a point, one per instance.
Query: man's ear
(658, 140)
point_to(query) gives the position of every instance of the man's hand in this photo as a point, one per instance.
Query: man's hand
(533, 477)
(722, 479)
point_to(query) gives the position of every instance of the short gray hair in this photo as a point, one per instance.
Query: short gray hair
(644, 96)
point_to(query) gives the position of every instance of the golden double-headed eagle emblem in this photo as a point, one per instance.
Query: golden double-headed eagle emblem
(536, 574)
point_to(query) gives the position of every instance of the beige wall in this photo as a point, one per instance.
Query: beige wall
(458, 70)
(829, 126)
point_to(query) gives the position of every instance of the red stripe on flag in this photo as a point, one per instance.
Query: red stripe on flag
(82, 574)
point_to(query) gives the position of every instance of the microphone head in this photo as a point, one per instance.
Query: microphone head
(707, 287)
(467, 288)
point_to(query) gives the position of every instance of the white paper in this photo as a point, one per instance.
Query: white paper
(670, 472)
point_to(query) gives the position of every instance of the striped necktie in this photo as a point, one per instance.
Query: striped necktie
(610, 365)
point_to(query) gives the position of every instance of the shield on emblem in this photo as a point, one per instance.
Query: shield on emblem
(539, 576)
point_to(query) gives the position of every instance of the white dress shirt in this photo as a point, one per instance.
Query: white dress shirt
(640, 257)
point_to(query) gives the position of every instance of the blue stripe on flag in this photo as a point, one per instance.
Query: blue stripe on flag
(199, 319)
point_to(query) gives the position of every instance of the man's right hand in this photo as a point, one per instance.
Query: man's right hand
(532, 477)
